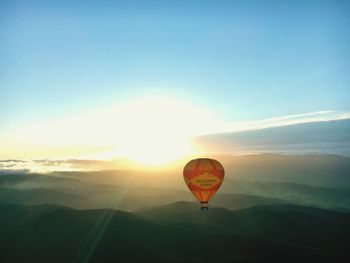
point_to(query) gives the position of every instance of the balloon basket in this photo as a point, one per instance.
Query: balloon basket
(204, 206)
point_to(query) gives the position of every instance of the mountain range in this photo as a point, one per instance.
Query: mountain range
(177, 232)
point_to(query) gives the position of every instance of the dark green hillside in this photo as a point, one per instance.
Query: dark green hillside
(284, 223)
(240, 201)
(175, 233)
(42, 196)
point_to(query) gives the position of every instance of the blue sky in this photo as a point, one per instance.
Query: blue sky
(246, 60)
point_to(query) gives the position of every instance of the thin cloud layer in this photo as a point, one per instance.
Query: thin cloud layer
(316, 116)
(45, 166)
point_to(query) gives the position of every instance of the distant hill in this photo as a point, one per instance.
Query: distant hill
(321, 181)
(326, 137)
(178, 232)
(42, 196)
(301, 194)
(131, 200)
(317, 170)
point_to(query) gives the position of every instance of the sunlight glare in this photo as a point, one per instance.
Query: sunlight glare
(153, 130)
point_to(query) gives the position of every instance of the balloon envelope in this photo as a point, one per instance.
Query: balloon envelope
(203, 177)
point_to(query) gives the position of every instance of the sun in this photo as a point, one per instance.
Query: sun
(156, 130)
(156, 151)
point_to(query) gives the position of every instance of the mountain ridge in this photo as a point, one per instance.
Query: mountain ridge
(55, 234)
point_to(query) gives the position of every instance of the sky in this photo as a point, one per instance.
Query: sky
(228, 61)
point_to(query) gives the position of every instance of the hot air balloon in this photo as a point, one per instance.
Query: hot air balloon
(203, 177)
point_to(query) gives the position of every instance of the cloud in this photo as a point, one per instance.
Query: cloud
(47, 165)
(286, 120)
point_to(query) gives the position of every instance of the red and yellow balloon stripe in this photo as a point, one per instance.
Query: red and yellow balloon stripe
(203, 177)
